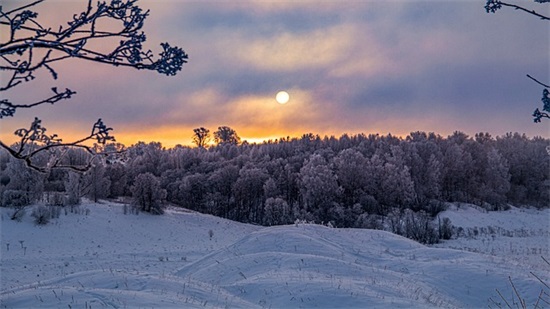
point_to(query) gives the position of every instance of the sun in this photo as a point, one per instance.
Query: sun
(282, 97)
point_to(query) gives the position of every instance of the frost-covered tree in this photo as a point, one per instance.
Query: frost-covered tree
(528, 163)
(192, 191)
(221, 184)
(25, 185)
(249, 194)
(271, 189)
(147, 195)
(96, 184)
(457, 167)
(351, 170)
(145, 158)
(496, 182)
(424, 162)
(276, 212)
(105, 33)
(396, 187)
(118, 179)
(319, 187)
(73, 188)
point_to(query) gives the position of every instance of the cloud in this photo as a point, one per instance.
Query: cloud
(366, 66)
(293, 52)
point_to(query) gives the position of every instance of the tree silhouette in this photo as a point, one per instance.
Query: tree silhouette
(28, 47)
(492, 6)
(201, 137)
(226, 135)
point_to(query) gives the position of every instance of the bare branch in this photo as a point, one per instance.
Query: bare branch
(7, 109)
(538, 82)
(494, 5)
(24, 7)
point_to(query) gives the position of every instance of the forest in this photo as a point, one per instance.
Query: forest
(362, 181)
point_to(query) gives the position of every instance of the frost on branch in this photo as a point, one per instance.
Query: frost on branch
(34, 141)
(545, 107)
(106, 33)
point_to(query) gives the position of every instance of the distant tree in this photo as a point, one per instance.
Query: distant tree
(25, 185)
(276, 212)
(221, 184)
(28, 47)
(226, 135)
(249, 194)
(192, 191)
(271, 189)
(73, 188)
(496, 182)
(352, 175)
(319, 187)
(201, 137)
(118, 179)
(492, 6)
(144, 158)
(423, 159)
(457, 171)
(96, 184)
(396, 188)
(147, 194)
(529, 164)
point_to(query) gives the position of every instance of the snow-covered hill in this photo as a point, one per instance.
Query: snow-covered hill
(110, 260)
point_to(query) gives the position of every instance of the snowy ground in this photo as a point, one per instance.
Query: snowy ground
(110, 260)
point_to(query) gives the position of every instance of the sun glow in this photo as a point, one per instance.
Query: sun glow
(282, 97)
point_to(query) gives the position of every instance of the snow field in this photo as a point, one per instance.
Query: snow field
(110, 260)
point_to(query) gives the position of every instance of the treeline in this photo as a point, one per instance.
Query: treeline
(346, 181)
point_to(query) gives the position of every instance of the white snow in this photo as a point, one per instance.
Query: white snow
(110, 260)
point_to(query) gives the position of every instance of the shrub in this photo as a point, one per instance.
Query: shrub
(418, 226)
(18, 213)
(434, 207)
(41, 215)
(445, 228)
(15, 198)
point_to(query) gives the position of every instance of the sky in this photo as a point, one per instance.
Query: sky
(349, 67)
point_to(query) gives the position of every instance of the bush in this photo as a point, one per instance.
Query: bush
(15, 198)
(434, 207)
(418, 226)
(41, 215)
(445, 228)
(18, 213)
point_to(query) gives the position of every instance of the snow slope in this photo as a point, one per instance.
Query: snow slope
(110, 260)
(519, 235)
